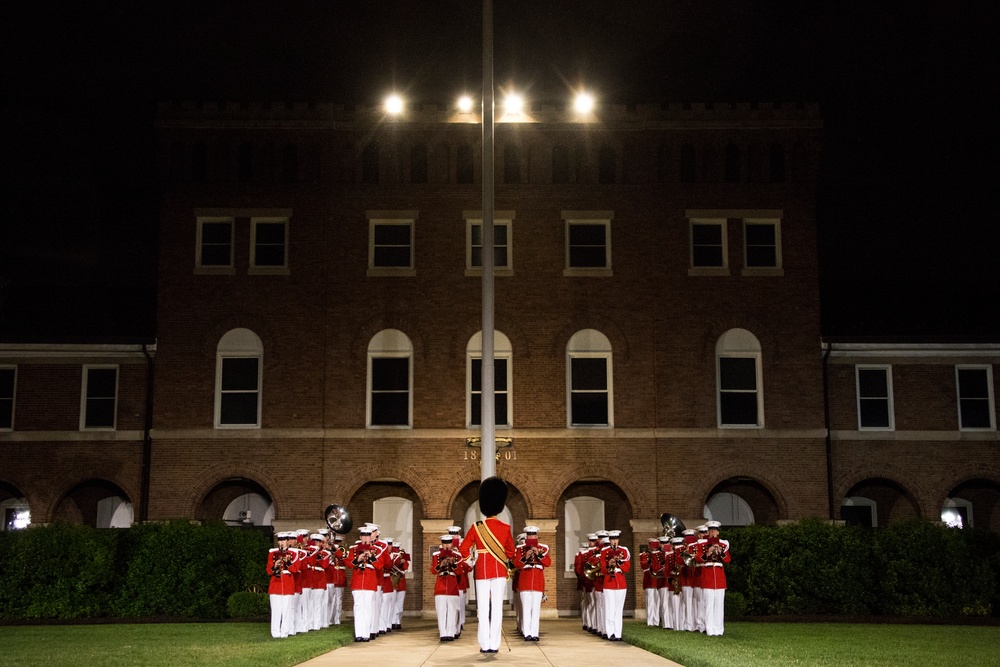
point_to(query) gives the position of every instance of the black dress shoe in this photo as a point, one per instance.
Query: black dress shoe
(358, 639)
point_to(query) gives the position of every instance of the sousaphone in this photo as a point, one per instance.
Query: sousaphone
(338, 519)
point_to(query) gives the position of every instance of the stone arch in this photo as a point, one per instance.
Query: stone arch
(410, 475)
(213, 333)
(47, 512)
(966, 473)
(513, 477)
(601, 323)
(756, 473)
(404, 323)
(219, 473)
(515, 334)
(625, 480)
(887, 472)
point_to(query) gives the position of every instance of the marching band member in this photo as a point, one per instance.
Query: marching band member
(531, 561)
(675, 598)
(587, 584)
(494, 547)
(339, 569)
(299, 607)
(600, 623)
(616, 561)
(388, 608)
(447, 564)
(400, 564)
(515, 602)
(314, 584)
(282, 563)
(688, 574)
(714, 556)
(383, 556)
(463, 580)
(646, 561)
(366, 573)
(699, 598)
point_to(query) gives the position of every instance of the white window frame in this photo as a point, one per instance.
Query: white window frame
(248, 346)
(777, 269)
(501, 350)
(739, 344)
(887, 369)
(390, 344)
(571, 218)
(582, 516)
(83, 397)
(215, 268)
(589, 344)
(990, 396)
(723, 270)
(500, 219)
(281, 269)
(401, 218)
(860, 501)
(12, 397)
(955, 504)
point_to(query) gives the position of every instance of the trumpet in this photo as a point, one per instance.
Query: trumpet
(533, 554)
(714, 552)
(282, 563)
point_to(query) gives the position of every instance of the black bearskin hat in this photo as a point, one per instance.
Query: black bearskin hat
(492, 496)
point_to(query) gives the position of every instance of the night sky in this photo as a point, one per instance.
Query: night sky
(909, 233)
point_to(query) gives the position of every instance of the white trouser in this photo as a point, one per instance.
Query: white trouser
(652, 606)
(699, 609)
(599, 623)
(364, 607)
(666, 608)
(445, 607)
(298, 614)
(531, 608)
(687, 610)
(328, 612)
(614, 605)
(674, 601)
(281, 614)
(337, 603)
(489, 600)
(376, 610)
(397, 617)
(388, 609)
(463, 600)
(715, 604)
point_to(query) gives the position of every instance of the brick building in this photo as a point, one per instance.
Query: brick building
(658, 339)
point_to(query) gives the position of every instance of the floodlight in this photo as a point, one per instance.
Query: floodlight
(584, 103)
(465, 104)
(513, 103)
(394, 104)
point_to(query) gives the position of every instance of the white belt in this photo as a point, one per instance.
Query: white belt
(712, 564)
(534, 567)
(285, 572)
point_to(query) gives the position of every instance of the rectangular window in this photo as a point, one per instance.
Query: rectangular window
(875, 397)
(589, 391)
(390, 248)
(501, 244)
(390, 391)
(500, 393)
(100, 397)
(239, 391)
(215, 243)
(739, 400)
(975, 398)
(587, 245)
(269, 243)
(708, 244)
(762, 244)
(8, 380)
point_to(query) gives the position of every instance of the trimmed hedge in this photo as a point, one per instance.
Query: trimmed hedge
(816, 568)
(175, 569)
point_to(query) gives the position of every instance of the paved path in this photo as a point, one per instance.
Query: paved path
(562, 644)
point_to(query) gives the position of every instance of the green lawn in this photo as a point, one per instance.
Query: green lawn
(824, 645)
(156, 645)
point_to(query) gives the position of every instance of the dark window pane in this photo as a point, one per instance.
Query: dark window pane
(477, 375)
(390, 409)
(874, 413)
(738, 408)
(499, 235)
(587, 257)
(738, 373)
(499, 374)
(589, 409)
(216, 232)
(271, 232)
(392, 257)
(592, 235)
(391, 374)
(873, 383)
(6, 412)
(100, 413)
(973, 383)
(215, 255)
(761, 257)
(760, 234)
(101, 382)
(269, 255)
(706, 256)
(975, 413)
(476, 418)
(857, 515)
(499, 257)
(238, 409)
(589, 374)
(706, 234)
(477, 235)
(239, 374)
(6, 382)
(500, 412)
(392, 235)
(477, 256)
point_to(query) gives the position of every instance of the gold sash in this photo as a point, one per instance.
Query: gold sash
(492, 544)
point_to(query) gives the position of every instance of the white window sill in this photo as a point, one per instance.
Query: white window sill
(391, 273)
(576, 272)
(763, 272)
(478, 272)
(268, 271)
(709, 271)
(214, 271)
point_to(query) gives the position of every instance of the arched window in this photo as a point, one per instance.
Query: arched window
(957, 513)
(511, 164)
(589, 380)
(730, 509)
(607, 162)
(418, 163)
(464, 166)
(732, 164)
(238, 375)
(502, 378)
(394, 516)
(688, 165)
(16, 514)
(738, 369)
(859, 511)
(583, 515)
(114, 512)
(249, 509)
(369, 164)
(390, 379)
(560, 164)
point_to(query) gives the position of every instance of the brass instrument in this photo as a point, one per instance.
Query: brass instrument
(615, 559)
(533, 554)
(338, 519)
(672, 526)
(395, 573)
(674, 580)
(282, 563)
(447, 563)
(591, 569)
(714, 551)
(364, 555)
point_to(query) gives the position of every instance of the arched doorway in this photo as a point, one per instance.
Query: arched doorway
(97, 503)
(883, 500)
(239, 502)
(740, 501)
(14, 510)
(973, 504)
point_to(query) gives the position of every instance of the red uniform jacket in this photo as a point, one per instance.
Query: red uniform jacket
(532, 575)
(487, 566)
(647, 572)
(713, 574)
(594, 558)
(447, 577)
(614, 577)
(282, 583)
(366, 567)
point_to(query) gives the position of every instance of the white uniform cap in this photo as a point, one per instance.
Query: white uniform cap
(702, 528)
(584, 545)
(373, 526)
(531, 530)
(592, 536)
(316, 536)
(521, 537)
(365, 530)
(388, 541)
(454, 530)
(714, 524)
(689, 531)
(665, 539)
(602, 533)
(605, 540)
(614, 533)
(446, 538)
(285, 535)
(301, 531)
(323, 531)
(677, 540)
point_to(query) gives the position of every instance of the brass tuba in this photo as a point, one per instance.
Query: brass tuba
(338, 519)
(672, 526)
